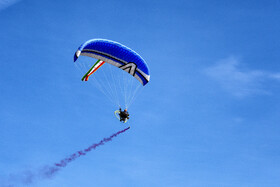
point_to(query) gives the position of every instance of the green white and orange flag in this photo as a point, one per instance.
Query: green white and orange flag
(93, 69)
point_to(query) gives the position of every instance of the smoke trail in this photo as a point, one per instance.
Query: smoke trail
(47, 172)
(76, 155)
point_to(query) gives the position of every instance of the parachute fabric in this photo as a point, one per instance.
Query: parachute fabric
(120, 85)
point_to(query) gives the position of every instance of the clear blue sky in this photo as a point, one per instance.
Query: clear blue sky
(208, 117)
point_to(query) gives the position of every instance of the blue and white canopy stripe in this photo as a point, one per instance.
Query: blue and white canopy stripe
(118, 55)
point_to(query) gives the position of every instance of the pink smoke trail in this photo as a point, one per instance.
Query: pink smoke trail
(48, 172)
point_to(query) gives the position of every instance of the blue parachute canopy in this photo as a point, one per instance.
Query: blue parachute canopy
(118, 55)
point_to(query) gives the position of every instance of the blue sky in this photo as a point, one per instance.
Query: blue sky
(208, 117)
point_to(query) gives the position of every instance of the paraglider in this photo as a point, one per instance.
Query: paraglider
(123, 116)
(120, 84)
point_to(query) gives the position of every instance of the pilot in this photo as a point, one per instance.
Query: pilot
(124, 115)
